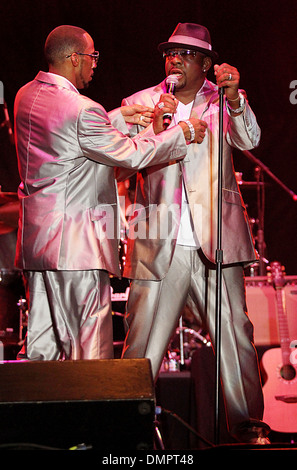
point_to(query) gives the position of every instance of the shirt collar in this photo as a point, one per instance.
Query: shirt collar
(55, 79)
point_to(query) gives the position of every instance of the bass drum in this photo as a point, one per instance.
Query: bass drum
(11, 291)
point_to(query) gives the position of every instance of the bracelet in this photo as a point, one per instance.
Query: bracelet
(192, 130)
(238, 98)
(241, 105)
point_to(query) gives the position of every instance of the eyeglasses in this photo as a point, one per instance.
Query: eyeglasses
(185, 54)
(94, 55)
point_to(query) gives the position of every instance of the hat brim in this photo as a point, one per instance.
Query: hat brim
(170, 45)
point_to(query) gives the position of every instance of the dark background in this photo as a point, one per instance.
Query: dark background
(259, 38)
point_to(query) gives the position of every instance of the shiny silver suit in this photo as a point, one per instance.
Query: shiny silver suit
(199, 170)
(166, 276)
(67, 151)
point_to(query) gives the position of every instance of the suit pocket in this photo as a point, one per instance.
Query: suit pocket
(104, 218)
(232, 197)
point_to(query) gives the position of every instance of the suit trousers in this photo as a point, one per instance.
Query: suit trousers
(153, 311)
(69, 315)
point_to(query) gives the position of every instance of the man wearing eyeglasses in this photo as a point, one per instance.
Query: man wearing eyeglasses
(170, 270)
(67, 239)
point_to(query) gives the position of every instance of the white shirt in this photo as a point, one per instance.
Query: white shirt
(186, 235)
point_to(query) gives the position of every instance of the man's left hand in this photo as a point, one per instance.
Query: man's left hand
(228, 77)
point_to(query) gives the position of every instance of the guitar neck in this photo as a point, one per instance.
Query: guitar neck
(283, 325)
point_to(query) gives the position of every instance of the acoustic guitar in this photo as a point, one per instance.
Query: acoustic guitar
(280, 389)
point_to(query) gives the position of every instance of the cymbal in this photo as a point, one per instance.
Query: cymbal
(8, 197)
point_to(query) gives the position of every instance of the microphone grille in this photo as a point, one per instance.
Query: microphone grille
(171, 79)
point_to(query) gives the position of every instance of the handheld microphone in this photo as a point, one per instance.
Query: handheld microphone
(171, 82)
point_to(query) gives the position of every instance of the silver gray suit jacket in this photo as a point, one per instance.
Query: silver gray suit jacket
(154, 225)
(67, 151)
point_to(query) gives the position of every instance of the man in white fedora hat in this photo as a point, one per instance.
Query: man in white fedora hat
(170, 270)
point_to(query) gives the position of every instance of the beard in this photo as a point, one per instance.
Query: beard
(181, 84)
(83, 82)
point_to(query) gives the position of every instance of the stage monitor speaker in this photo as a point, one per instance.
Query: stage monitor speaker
(262, 309)
(105, 404)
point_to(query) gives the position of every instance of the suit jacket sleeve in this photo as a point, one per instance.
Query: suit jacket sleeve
(101, 142)
(243, 131)
(133, 130)
(118, 121)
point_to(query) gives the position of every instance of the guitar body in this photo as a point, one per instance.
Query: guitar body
(280, 393)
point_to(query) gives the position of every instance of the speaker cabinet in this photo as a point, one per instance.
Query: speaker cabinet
(105, 404)
(262, 309)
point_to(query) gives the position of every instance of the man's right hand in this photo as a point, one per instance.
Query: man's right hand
(168, 104)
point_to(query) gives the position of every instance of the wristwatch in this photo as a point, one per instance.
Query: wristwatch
(241, 105)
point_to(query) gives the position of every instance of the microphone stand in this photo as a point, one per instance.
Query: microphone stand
(219, 257)
(219, 262)
(260, 231)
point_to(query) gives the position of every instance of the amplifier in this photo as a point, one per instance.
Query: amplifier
(262, 308)
(107, 405)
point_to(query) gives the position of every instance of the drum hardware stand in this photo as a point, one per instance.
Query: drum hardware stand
(158, 434)
(181, 342)
(260, 233)
(197, 335)
(266, 170)
(7, 123)
(22, 316)
(175, 364)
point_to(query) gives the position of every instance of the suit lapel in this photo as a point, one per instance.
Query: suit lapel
(157, 92)
(203, 100)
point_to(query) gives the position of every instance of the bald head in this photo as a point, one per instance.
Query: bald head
(62, 41)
